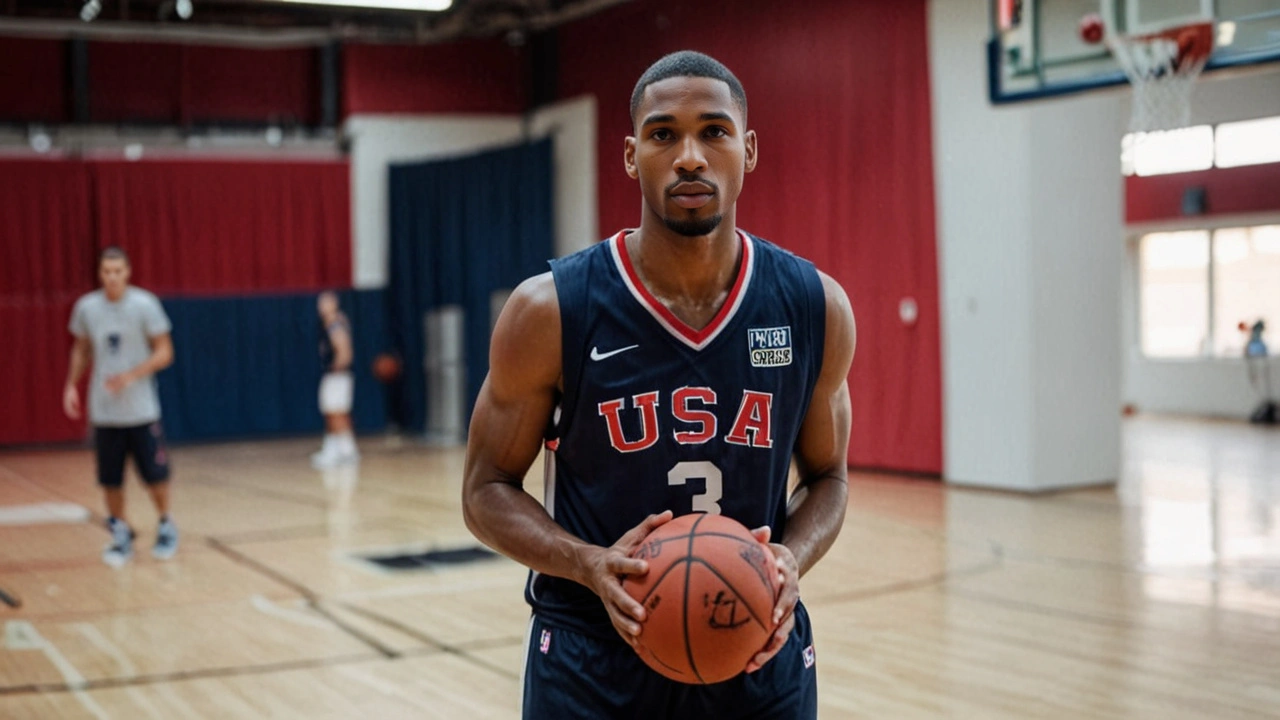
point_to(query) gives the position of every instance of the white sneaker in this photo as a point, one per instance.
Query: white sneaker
(326, 459)
(120, 549)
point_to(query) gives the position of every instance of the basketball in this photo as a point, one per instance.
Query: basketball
(386, 367)
(1091, 28)
(708, 595)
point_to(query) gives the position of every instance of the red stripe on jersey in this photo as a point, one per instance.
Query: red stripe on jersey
(692, 336)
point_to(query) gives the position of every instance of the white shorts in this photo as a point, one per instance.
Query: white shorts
(335, 393)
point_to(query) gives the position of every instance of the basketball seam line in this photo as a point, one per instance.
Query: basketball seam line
(684, 606)
(729, 585)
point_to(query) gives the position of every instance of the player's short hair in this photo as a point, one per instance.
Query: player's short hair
(113, 252)
(689, 63)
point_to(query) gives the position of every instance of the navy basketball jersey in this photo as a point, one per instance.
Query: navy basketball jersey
(656, 415)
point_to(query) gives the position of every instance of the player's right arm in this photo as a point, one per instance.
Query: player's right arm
(511, 414)
(81, 356)
(340, 339)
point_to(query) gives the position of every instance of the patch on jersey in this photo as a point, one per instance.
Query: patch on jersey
(770, 347)
(544, 643)
(808, 656)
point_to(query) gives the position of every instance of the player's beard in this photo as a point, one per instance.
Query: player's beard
(694, 228)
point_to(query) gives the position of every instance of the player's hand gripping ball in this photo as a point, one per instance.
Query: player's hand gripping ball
(708, 598)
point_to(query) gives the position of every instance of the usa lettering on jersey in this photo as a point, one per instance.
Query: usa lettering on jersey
(696, 424)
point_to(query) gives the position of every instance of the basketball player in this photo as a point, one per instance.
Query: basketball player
(674, 368)
(124, 332)
(336, 387)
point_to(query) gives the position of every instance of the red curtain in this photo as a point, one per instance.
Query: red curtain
(47, 244)
(45, 229)
(839, 94)
(249, 84)
(165, 82)
(208, 227)
(34, 368)
(135, 81)
(213, 227)
(473, 76)
(33, 80)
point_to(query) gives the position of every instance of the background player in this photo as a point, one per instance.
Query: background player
(124, 332)
(336, 387)
(677, 367)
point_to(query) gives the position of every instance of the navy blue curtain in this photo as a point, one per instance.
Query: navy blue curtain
(460, 230)
(249, 366)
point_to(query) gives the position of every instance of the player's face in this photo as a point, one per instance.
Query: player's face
(326, 305)
(690, 153)
(114, 274)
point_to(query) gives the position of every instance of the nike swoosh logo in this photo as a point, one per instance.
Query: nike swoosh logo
(597, 355)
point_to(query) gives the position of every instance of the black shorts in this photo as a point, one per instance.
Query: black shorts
(144, 442)
(571, 675)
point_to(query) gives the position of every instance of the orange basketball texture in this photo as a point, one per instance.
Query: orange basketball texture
(386, 367)
(709, 597)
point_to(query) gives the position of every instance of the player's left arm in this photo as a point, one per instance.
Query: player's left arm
(816, 511)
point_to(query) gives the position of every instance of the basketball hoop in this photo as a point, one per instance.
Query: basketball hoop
(1162, 67)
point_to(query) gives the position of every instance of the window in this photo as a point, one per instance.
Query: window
(1198, 286)
(1175, 291)
(1250, 142)
(1246, 284)
(1172, 151)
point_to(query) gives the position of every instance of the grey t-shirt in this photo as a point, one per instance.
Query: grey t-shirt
(121, 333)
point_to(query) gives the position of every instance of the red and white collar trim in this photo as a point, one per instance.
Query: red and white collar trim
(696, 339)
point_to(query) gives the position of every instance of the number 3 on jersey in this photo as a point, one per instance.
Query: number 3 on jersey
(707, 501)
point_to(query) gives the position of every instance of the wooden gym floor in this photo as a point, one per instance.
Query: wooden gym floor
(1159, 598)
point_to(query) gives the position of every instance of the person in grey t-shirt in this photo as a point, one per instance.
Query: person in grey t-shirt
(124, 332)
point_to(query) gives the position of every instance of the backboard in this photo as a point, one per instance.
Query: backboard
(1036, 49)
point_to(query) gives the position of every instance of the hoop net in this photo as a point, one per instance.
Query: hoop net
(1163, 67)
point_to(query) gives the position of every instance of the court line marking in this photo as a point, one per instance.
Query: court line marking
(422, 589)
(44, 513)
(298, 617)
(160, 678)
(75, 682)
(312, 598)
(940, 578)
(429, 640)
(206, 480)
(100, 641)
(110, 614)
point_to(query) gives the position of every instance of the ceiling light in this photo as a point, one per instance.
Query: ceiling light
(1226, 33)
(39, 139)
(90, 10)
(184, 9)
(431, 5)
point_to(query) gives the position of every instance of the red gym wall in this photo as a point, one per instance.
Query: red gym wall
(195, 227)
(474, 76)
(192, 228)
(839, 95)
(1228, 191)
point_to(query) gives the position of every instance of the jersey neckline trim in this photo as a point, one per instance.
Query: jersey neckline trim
(696, 339)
